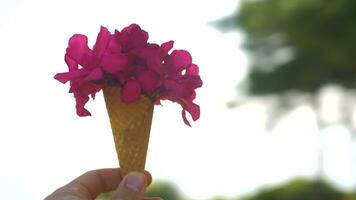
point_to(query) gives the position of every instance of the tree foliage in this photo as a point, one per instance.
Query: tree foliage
(297, 189)
(301, 189)
(164, 190)
(299, 45)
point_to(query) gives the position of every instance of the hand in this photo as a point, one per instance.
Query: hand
(89, 185)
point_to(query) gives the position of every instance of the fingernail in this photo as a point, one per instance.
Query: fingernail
(135, 181)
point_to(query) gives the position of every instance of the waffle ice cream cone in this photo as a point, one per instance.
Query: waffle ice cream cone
(131, 124)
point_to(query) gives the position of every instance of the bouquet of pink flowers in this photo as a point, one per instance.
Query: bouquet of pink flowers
(132, 73)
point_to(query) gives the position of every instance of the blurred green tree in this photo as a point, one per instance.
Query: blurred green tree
(300, 189)
(218, 198)
(164, 190)
(297, 189)
(297, 47)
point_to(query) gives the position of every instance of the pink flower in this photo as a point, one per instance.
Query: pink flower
(113, 61)
(127, 60)
(85, 74)
(148, 80)
(131, 91)
(180, 87)
(132, 37)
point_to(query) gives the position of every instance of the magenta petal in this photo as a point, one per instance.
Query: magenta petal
(113, 63)
(192, 96)
(193, 70)
(101, 44)
(122, 77)
(185, 118)
(72, 65)
(95, 74)
(72, 75)
(148, 81)
(192, 108)
(174, 89)
(132, 37)
(114, 46)
(62, 77)
(192, 82)
(167, 46)
(131, 92)
(152, 54)
(80, 103)
(88, 88)
(158, 67)
(180, 59)
(78, 49)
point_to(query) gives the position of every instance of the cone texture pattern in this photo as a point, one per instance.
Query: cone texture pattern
(131, 125)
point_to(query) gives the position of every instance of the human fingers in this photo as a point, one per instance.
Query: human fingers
(91, 184)
(132, 187)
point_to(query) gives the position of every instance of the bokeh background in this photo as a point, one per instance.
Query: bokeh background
(277, 104)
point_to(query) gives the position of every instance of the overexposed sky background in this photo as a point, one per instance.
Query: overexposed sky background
(43, 144)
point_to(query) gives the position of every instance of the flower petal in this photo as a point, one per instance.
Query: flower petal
(191, 82)
(151, 53)
(131, 92)
(62, 77)
(192, 97)
(192, 108)
(185, 118)
(95, 75)
(113, 63)
(132, 37)
(179, 60)
(72, 65)
(71, 75)
(101, 44)
(88, 88)
(173, 89)
(148, 81)
(78, 49)
(81, 100)
(167, 46)
(114, 45)
(193, 70)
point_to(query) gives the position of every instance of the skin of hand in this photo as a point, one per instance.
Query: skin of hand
(89, 185)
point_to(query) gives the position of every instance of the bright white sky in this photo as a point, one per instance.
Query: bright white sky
(43, 144)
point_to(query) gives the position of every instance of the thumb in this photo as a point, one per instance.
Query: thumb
(131, 188)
